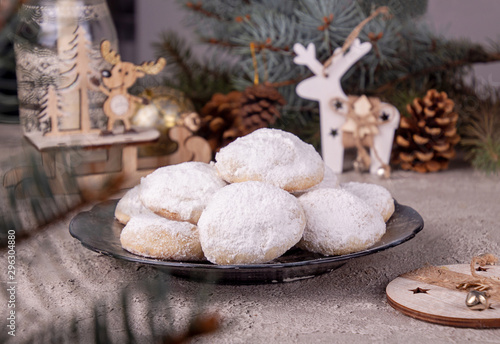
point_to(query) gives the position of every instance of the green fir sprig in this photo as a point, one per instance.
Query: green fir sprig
(31, 200)
(405, 53)
(197, 79)
(482, 134)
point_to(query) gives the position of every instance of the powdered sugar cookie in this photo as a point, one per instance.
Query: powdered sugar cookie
(130, 205)
(330, 180)
(250, 223)
(156, 237)
(375, 195)
(272, 156)
(339, 222)
(180, 192)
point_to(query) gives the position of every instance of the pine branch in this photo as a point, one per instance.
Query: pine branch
(404, 10)
(198, 7)
(404, 55)
(482, 134)
(197, 79)
(174, 49)
(472, 58)
(101, 325)
(220, 43)
(287, 82)
(33, 201)
(259, 46)
(28, 188)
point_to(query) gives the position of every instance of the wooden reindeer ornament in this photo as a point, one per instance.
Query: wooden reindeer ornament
(119, 106)
(336, 107)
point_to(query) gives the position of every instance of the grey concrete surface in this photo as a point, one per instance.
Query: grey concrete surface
(58, 278)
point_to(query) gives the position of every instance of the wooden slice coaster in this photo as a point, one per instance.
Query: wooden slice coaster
(444, 306)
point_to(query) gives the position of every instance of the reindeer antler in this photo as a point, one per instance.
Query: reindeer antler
(307, 57)
(109, 54)
(152, 67)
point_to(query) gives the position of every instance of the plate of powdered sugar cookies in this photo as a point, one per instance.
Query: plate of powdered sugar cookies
(267, 210)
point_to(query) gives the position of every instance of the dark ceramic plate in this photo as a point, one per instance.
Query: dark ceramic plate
(100, 232)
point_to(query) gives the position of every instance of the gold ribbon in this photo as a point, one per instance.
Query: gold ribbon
(254, 60)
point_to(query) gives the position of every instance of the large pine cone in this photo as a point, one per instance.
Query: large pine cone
(259, 107)
(425, 139)
(227, 117)
(219, 117)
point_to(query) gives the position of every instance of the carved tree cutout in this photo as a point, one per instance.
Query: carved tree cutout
(51, 110)
(78, 71)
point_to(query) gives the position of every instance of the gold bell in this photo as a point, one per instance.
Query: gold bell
(477, 300)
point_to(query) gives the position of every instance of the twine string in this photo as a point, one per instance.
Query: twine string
(361, 123)
(355, 33)
(443, 277)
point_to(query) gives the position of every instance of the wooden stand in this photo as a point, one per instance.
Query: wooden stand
(100, 161)
(441, 305)
(92, 139)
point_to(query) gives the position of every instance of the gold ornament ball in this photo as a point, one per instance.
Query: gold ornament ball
(170, 110)
(148, 116)
(167, 108)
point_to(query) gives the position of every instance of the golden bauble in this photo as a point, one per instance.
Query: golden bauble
(148, 116)
(167, 108)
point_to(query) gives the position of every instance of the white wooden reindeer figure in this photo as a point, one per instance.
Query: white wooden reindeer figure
(325, 88)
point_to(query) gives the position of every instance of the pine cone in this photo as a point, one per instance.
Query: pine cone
(259, 107)
(220, 116)
(227, 117)
(426, 138)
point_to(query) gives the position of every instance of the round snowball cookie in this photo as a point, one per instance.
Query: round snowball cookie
(330, 180)
(272, 156)
(250, 223)
(180, 192)
(375, 195)
(339, 222)
(156, 237)
(130, 205)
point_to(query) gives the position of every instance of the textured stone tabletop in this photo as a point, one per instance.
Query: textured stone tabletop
(59, 278)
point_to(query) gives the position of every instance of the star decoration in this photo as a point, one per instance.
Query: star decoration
(419, 290)
(338, 105)
(333, 132)
(384, 117)
(480, 268)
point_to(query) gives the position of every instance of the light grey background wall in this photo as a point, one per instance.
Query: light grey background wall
(477, 20)
(156, 16)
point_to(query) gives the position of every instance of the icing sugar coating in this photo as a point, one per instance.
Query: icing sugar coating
(375, 195)
(130, 205)
(330, 180)
(180, 192)
(339, 222)
(153, 236)
(272, 156)
(250, 223)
